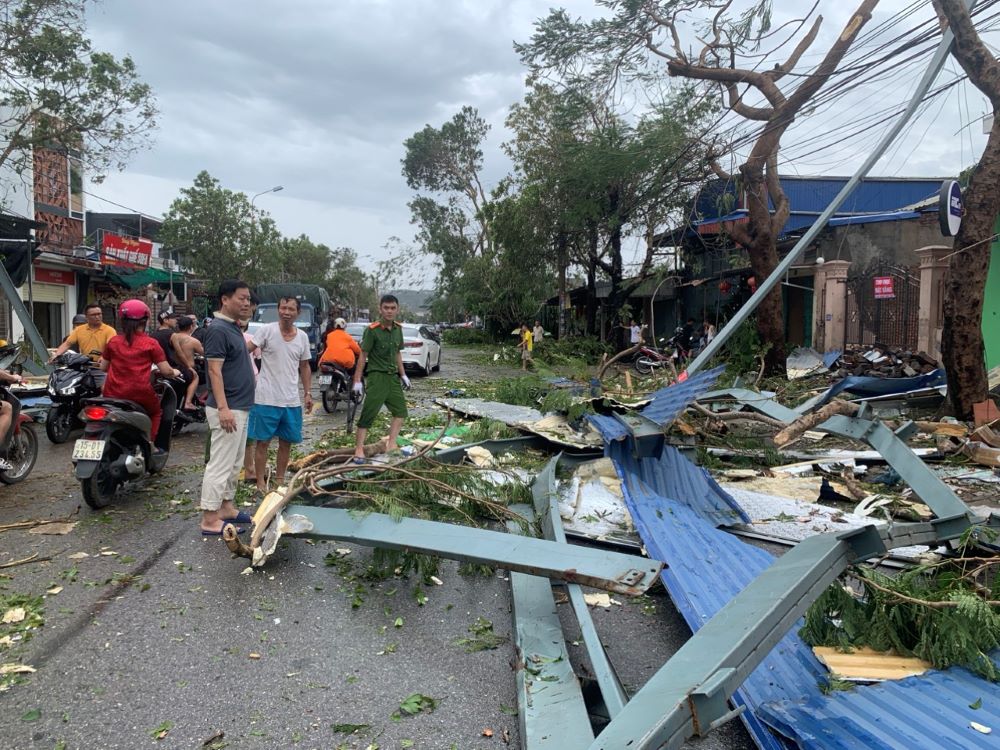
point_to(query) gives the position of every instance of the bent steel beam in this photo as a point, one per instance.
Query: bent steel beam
(547, 509)
(614, 571)
(551, 708)
(952, 514)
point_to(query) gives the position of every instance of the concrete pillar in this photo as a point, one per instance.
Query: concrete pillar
(819, 308)
(831, 304)
(933, 265)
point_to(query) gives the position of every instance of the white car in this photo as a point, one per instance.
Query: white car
(420, 349)
(421, 346)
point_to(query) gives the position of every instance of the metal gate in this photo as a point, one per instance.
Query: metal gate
(883, 306)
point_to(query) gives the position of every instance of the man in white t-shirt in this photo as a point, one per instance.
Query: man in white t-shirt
(277, 411)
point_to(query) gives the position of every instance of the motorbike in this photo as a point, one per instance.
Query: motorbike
(672, 355)
(21, 442)
(74, 379)
(334, 387)
(117, 447)
(185, 417)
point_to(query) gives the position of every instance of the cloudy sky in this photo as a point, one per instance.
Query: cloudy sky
(318, 96)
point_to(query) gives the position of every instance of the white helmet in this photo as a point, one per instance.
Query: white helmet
(340, 323)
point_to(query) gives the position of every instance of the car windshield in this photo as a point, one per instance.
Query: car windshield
(268, 314)
(355, 329)
(411, 332)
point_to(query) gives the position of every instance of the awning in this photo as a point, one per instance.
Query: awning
(143, 277)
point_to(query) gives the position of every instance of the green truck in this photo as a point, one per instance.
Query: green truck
(313, 313)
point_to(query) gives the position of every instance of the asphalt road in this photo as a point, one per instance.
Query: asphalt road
(156, 639)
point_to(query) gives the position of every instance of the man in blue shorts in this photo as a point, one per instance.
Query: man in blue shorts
(277, 410)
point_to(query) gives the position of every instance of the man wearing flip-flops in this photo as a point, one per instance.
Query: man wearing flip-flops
(381, 350)
(231, 383)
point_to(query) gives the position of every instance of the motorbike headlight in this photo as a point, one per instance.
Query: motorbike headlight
(52, 390)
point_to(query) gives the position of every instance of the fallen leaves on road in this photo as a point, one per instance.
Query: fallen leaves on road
(15, 614)
(161, 731)
(78, 556)
(54, 590)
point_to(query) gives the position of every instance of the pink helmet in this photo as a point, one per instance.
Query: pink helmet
(133, 309)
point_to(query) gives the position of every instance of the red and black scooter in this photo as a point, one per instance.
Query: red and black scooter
(116, 446)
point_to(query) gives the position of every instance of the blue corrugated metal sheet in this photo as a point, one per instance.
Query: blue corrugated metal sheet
(610, 428)
(667, 403)
(673, 476)
(871, 196)
(928, 711)
(705, 569)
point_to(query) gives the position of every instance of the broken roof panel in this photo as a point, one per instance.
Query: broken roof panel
(933, 709)
(671, 475)
(706, 568)
(667, 403)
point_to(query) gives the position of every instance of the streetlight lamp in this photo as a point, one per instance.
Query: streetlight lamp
(275, 189)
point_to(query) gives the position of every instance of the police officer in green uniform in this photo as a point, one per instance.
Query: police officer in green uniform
(381, 348)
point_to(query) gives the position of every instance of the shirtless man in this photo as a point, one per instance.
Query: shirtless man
(186, 347)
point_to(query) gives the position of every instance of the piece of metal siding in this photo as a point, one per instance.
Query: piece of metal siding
(705, 569)
(675, 477)
(932, 710)
(666, 403)
(610, 428)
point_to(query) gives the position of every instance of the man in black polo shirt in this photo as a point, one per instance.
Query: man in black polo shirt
(231, 389)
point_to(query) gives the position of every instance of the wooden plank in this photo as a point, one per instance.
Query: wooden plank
(865, 664)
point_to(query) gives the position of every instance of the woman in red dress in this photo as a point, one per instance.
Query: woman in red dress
(127, 359)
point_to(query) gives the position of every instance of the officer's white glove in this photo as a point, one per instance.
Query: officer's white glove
(406, 383)
(359, 388)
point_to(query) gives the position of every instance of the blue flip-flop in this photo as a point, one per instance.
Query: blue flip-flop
(239, 529)
(358, 461)
(241, 517)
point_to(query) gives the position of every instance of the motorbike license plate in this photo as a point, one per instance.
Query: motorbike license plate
(325, 379)
(88, 450)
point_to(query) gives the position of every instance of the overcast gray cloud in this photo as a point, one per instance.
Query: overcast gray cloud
(318, 96)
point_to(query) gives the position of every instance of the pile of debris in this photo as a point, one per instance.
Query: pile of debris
(884, 362)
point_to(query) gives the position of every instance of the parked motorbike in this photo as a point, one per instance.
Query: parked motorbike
(74, 379)
(21, 442)
(334, 387)
(117, 447)
(185, 417)
(673, 354)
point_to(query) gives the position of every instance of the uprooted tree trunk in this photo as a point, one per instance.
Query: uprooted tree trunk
(717, 64)
(962, 346)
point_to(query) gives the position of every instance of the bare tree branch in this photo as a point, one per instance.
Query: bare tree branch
(780, 71)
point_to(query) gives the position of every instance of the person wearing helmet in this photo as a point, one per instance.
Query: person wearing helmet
(339, 348)
(89, 339)
(127, 358)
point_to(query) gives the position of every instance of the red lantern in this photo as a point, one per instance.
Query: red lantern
(725, 286)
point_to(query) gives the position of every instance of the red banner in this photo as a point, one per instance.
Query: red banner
(55, 276)
(125, 251)
(884, 288)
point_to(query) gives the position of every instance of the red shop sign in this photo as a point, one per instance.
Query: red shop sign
(125, 251)
(883, 288)
(55, 276)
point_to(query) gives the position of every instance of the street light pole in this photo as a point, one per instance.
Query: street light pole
(253, 214)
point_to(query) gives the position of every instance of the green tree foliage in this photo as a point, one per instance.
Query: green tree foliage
(598, 178)
(218, 236)
(56, 90)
